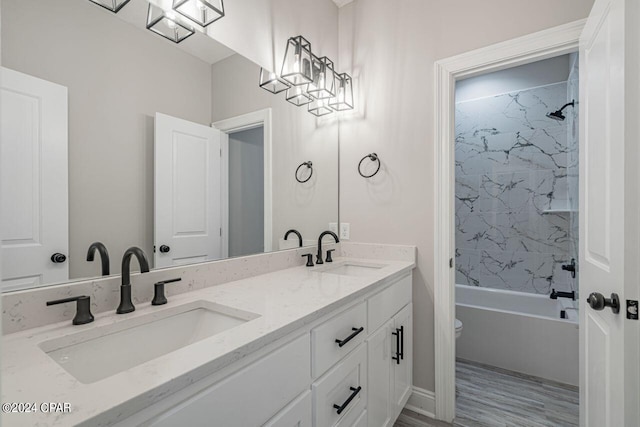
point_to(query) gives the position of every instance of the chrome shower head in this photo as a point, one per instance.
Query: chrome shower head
(557, 115)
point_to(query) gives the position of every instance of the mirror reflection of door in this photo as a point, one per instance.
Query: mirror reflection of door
(34, 195)
(246, 192)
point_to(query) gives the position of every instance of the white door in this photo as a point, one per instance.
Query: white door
(33, 178)
(379, 348)
(187, 192)
(609, 214)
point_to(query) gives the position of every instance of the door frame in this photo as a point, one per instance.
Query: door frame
(538, 46)
(237, 124)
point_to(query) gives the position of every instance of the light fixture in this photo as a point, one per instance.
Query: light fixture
(112, 5)
(324, 77)
(271, 82)
(202, 12)
(297, 95)
(343, 99)
(297, 67)
(320, 107)
(167, 24)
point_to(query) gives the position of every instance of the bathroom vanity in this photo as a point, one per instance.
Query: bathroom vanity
(324, 346)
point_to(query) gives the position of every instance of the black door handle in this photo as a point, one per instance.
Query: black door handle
(58, 258)
(342, 407)
(401, 342)
(598, 302)
(356, 331)
(164, 249)
(398, 355)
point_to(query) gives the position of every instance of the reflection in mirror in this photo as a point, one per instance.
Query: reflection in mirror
(112, 134)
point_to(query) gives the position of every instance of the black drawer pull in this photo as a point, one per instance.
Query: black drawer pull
(356, 331)
(398, 355)
(342, 407)
(401, 342)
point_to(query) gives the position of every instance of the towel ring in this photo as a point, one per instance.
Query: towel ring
(309, 165)
(374, 158)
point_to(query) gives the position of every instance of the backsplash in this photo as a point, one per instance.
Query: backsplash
(511, 175)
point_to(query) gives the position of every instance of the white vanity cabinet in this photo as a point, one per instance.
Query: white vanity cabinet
(350, 368)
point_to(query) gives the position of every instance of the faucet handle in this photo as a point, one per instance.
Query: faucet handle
(158, 291)
(309, 259)
(83, 308)
(329, 259)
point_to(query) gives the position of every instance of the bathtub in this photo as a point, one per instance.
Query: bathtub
(518, 331)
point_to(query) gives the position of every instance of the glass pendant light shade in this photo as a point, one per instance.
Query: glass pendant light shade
(202, 12)
(297, 95)
(113, 5)
(343, 99)
(320, 107)
(297, 65)
(167, 24)
(324, 76)
(271, 82)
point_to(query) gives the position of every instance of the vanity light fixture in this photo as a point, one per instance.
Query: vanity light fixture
(202, 12)
(320, 107)
(271, 82)
(343, 99)
(112, 5)
(324, 76)
(297, 95)
(297, 66)
(167, 24)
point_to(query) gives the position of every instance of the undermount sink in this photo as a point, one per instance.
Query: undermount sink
(104, 351)
(352, 269)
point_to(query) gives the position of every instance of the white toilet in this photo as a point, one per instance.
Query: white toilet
(458, 328)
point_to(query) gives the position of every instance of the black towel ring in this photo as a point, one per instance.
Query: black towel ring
(309, 165)
(374, 158)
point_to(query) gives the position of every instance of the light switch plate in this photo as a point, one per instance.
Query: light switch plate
(345, 229)
(333, 226)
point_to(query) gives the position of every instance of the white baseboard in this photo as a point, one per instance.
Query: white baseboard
(422, 402)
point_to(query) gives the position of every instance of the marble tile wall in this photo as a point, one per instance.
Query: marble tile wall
(511, 175)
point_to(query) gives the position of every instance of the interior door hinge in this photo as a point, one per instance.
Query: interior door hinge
(450, 262)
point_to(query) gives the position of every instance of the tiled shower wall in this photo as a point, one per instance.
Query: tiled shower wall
(512, 202)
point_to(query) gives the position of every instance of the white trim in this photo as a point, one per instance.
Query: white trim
(422, 402)
(235, 124)
(534, 47)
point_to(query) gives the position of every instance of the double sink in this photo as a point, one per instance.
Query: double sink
(100, 352)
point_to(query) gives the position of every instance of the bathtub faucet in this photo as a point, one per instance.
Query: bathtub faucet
(556, 295)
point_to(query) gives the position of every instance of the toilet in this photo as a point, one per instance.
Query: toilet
(458, 328)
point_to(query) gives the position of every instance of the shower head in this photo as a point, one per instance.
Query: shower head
(557, 115)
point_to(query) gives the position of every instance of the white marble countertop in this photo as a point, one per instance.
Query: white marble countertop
(286, 300)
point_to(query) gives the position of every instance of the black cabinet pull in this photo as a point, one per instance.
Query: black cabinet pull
(356, 331)
(398, 354)
(401, 342)
(342, 407)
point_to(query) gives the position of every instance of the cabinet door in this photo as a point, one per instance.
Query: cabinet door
(296, 414)
(379, 347)
(402, 368)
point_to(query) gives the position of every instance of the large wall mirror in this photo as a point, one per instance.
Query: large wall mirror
(113, 134)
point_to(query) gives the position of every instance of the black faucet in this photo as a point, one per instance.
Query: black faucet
(324, 233)
(297, 233)
(104, 256)
(126, 306)
(571, 268)
(555, 294)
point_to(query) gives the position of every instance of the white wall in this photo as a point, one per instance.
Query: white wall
(541, 73)
(390, 48)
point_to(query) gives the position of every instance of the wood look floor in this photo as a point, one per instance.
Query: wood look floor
(492, 397)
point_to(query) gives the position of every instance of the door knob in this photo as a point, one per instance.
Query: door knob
(58, 258)
(164, 249)
(598, 302)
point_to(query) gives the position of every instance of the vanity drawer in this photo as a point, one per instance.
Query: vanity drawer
(349, 327)
(387, 303)
(345, 385)
(249, 397)
(296, 414)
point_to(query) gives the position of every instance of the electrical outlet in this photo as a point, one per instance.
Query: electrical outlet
(345, 229)
(333, 226)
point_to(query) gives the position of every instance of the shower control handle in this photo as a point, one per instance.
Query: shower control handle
(598, 302)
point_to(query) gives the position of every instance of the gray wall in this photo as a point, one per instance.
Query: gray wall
(118, 77)
(246, 192)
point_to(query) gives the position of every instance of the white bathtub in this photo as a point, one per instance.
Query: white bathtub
(518, 331)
